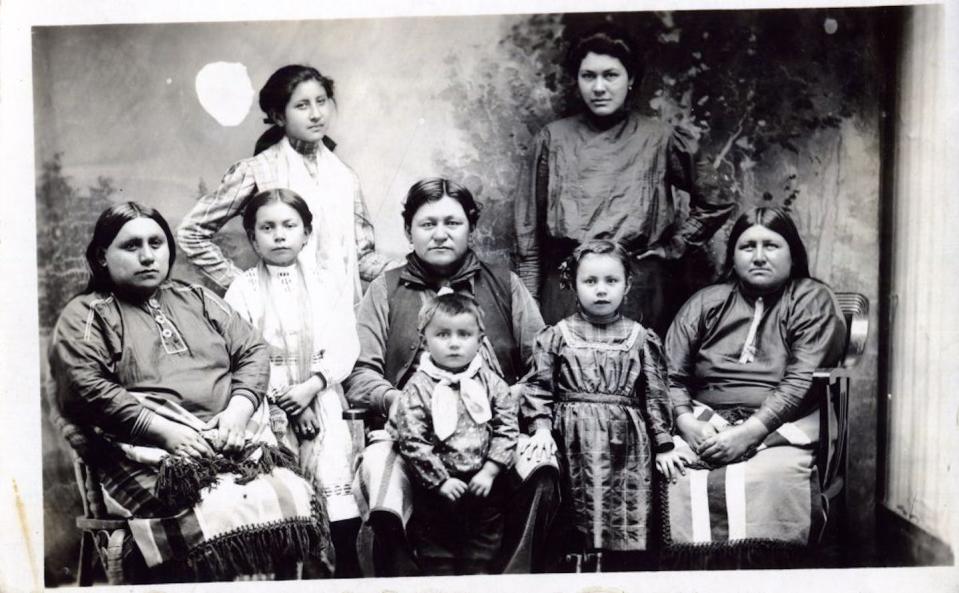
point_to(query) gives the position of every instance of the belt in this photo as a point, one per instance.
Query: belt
(598, 398)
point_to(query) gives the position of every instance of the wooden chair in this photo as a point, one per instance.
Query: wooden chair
(103, 537)
(832, 385)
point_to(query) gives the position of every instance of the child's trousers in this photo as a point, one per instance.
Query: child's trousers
(461, 537)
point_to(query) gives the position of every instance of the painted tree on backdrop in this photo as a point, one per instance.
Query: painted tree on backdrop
(764, 90)
(65, 220)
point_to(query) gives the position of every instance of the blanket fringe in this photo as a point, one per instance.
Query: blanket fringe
(258, 551)
(271, 549)
(741, 554)
(745, 554)
(181, 480)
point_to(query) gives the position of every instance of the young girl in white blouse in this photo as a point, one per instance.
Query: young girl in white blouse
(307, 321)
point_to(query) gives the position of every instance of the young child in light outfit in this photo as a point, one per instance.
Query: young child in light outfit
(457, 429)
(307, 321)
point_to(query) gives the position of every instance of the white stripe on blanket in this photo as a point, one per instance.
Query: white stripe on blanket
(800, 435)
(736, 500)
(228, 508)
(699, 505)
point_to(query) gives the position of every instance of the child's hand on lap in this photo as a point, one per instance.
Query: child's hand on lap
(299, 396)
(482, 481)
(673, 463)
(452, 489)
(307, 425)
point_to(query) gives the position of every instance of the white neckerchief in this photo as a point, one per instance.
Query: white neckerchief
(330, 196)
(445, 396)
(749, 347)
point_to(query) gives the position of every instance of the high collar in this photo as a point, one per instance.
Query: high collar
(417, 271)
(768, 296)
(137, 298)
(311, 148)
(600, 321)
(605, 122)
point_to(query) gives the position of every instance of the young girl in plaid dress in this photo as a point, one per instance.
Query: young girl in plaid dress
(598, 397)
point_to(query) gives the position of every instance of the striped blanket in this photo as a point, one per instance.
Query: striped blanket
(772, 496)
(252, 520)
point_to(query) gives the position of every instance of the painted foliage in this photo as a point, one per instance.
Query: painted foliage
(785, 103)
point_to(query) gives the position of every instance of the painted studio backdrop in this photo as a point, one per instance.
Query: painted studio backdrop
(785, 102)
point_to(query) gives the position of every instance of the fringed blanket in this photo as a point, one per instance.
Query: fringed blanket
(239, 514)
(769, 500)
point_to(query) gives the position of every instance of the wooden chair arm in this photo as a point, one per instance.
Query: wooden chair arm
(87, 523)
(829, 375)
(361, 414)
(356, 419)
(855, 310)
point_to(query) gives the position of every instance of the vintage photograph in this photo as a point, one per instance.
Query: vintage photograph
(552, 292)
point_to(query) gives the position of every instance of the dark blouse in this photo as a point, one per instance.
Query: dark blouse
(800, 330)
(616, 183)
(184, 345)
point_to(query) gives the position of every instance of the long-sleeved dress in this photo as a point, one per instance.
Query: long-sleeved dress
(279, 311)
(723, 377)
(185, 354)
(342, 242)
(602, 390)
(614, 182)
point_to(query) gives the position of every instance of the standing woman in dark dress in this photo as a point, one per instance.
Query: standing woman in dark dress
(610, 172)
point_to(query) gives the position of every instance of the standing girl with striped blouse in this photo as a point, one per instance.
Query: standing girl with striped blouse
(295, 153)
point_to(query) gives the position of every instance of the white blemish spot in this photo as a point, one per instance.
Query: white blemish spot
(830, 26)
(225, 92)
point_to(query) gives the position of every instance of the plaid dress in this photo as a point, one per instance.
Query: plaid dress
(602, 390)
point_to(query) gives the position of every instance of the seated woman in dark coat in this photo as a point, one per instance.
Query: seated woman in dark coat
(741, 358)
(439, 216)
(169, 384)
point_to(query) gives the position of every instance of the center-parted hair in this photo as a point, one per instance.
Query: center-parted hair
(450, 304)
(608, 40)
(286, 196)
(778, 221)
(433, 189)
(108, 226)
(570, 267)
(276, 93)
